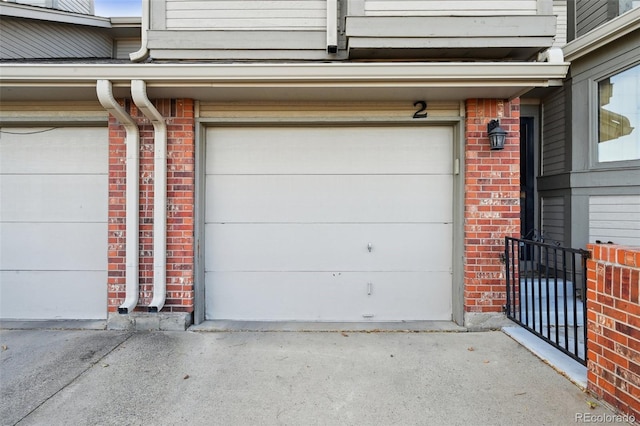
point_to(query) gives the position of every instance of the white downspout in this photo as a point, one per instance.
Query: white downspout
(139, 94)
(332, 26)
(143, 52)
(104, 90)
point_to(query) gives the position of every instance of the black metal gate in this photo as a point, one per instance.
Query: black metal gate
(546, 293)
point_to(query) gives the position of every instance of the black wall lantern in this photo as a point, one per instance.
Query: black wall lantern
(497, 135)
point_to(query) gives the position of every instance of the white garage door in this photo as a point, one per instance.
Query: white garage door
(53, 223)
(329, 223)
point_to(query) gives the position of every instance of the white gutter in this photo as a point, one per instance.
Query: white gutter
(449, 74)
(104, 90)
(139, 94)
(143, 52)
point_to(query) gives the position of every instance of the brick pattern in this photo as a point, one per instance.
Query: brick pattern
(492, 201)
(613, 339)
(179, 114)
(116, 269)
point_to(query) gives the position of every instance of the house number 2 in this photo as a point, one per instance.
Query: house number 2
(422, 112)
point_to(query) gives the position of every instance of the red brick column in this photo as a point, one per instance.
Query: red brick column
(613, 335)
(492, 202)
(117, 239)
(179, 117)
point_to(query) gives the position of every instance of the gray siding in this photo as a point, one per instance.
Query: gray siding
(553, 213)
(450, 7)
(591, 14)
(554, 134)
(596, 195)
(560, 11)
(248, 14)
(76, 6)
(124, 47)
(615, 218)
(229, 29)
(300, 30)
(25, 39)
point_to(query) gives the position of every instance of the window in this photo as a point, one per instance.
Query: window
(627, 5)
(619, 116)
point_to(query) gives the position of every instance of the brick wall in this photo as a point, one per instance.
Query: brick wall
(179, 117)
(613, 340)
(492, 202)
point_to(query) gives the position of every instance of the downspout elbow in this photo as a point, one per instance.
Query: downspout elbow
(143, 53)
(104, 90)
(139, 94)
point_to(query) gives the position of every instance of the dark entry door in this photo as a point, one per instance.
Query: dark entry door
(527, 177)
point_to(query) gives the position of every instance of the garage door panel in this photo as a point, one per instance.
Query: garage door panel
(328, 296)
(53, 295)
(329, 150)
(328, 247)
(53, 246)
(54, 198)
(411, 295)
(291, 211)
(328, 198)
(310, 296)
(75, 150)
(53, 222)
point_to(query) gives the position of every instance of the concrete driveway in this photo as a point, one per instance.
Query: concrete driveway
(82, 377)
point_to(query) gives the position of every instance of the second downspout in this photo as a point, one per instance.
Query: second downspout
(139, 94)
(104, 89)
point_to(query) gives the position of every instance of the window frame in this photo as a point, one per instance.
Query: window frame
(594, 130)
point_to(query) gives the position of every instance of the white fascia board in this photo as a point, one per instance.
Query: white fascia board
(602, 35)
(454, 74)
(15, 10)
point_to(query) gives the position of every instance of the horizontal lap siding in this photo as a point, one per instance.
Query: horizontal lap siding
(77, 6)
(560, 10)
(590, 14)
(246, 15)
(452, 8)
(553, 218)
(553, 145)
(615, 218)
